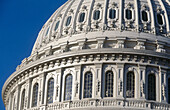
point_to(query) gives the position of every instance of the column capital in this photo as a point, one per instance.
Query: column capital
(59, 70)
(162, 70)
(120, 65)
(77, 67)
(98, 65)
(142, 67)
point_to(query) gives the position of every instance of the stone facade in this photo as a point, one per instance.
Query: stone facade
(97, 37)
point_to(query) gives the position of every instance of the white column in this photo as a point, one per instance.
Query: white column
(20, 99)
(27, 93)
(10, 102)
(142, 81)
(158, 87)
(58, 85)
(77, 82)
(7, 105)
(98, 80)
(41, 90)
(120, 81)
(163, 97)
(17, 97)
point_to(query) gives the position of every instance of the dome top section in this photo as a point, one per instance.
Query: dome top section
(77, 17)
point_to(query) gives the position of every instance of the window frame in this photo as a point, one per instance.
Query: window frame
(88, 69)
(133, 14)
(148, 87)
(80, 16)
(148, 15)
(49, 76)
(65, 24)
(47, 31)
(69, 74)
(49, 91)
(93, 15)
(101, 14)
(163, 19)
(89, 72)
(58, 21)
(36, 83)
(105, 83)
(112, 21)
(134, 88)
(126, 16)
(22, 99)
(116, 11)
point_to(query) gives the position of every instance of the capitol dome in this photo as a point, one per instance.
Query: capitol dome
(96, 55)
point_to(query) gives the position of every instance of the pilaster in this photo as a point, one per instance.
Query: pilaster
(27, 95)
(77, 82)
(120, 81)
(10, 102)
(58, 85)
(41, 90)
(17, 97)
(163, 96)
(98, 80)
(142, 81)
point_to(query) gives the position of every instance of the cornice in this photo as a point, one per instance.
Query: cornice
(87, 52)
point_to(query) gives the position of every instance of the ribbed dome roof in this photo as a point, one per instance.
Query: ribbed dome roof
(77, 17)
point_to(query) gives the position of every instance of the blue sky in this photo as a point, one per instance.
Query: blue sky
(20, 22)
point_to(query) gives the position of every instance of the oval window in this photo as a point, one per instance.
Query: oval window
(112, 13)
(56, 26)
(128, 14)
(144, 16)
(82, 16)
(96, 15)
(159, 19)
(68, 21)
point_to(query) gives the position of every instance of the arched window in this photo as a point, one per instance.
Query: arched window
(47, 31)
(130, 85)
(56, 26)
(68, 20)
(109, 84)
(151, 87)
(159, 19)
(96, 15)
(88, 82)
(144, 16)
(35, 95)
(22, 99)
(68, 87)
(169, 90)
(128, 14)
(112, 13)
(82, 16)
(50, 90)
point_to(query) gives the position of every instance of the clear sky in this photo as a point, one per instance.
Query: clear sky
(20, 22)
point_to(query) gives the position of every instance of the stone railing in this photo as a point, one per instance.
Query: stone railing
(35, 108)
(108, 103)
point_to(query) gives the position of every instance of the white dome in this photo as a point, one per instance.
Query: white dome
(97, 54)
(149, 17)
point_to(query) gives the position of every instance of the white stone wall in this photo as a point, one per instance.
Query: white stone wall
(98, 64)
(119, 45)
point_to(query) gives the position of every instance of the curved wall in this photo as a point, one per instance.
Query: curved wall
(128, 58)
